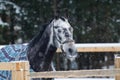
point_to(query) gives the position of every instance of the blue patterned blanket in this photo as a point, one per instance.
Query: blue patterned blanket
(9, 53)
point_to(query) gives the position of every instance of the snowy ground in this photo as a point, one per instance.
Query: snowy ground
(85, 79)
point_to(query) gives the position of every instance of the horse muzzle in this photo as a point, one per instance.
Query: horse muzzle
(69, 49)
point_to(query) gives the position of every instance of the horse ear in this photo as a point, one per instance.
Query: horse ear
(57, 15)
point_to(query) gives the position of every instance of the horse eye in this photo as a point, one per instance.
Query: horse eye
(64, 29)
(59, 31)
(56, 27)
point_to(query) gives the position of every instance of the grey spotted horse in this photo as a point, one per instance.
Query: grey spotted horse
(41, 49)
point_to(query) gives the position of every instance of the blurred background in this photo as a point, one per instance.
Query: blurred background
(94, 21)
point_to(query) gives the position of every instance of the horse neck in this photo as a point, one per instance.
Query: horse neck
(41, 51)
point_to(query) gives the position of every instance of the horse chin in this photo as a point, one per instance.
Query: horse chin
(71, 58)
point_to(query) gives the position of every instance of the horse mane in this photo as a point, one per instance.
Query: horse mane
(39, 50)
(38, 36)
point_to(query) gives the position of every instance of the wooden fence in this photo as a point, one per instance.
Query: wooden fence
(20, 70)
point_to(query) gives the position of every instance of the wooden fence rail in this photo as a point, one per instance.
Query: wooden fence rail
(76, 73)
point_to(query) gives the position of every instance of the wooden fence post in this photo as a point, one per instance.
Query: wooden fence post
(20, 70)
(117, 66)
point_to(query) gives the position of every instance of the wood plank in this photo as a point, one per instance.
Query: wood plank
(6, 66)
(99, 49)
(96, 49)
(117, 66)
(76, 73)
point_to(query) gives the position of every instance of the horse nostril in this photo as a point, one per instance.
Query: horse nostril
(67, 35)
(70, 50)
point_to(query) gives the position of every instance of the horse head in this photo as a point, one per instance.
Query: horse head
(57, 34)
(63, 37)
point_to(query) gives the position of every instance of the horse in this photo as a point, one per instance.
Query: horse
(41, 49)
